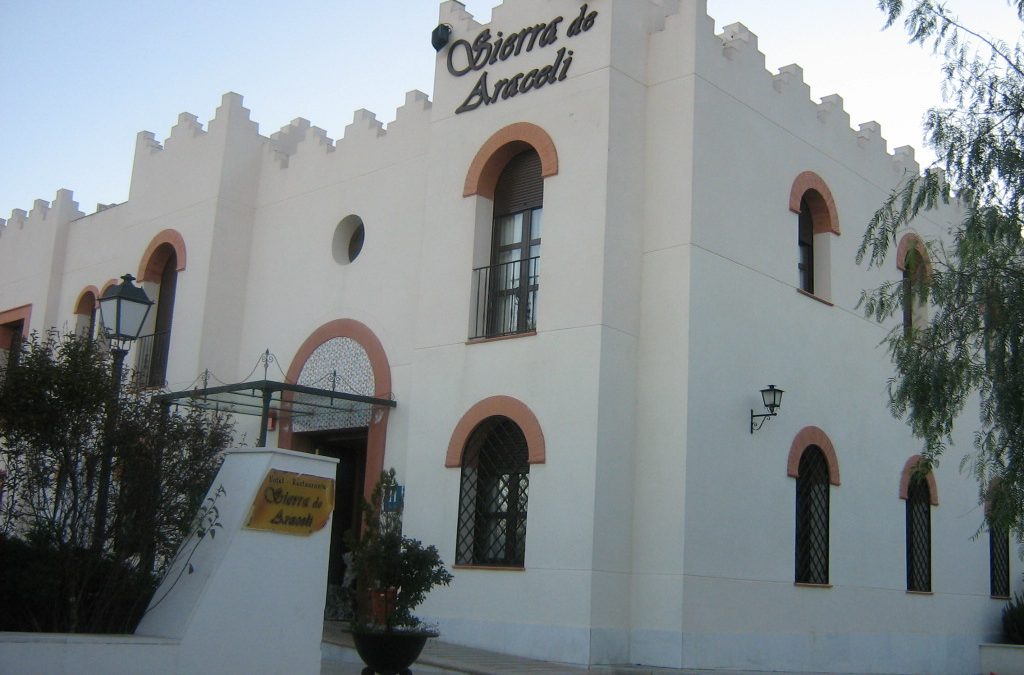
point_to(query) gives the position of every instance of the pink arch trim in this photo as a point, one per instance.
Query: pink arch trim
(808, 436)
(377, 433)
(908, 473)
(908, 241)
(87, 300)
(153, 259)
(10, 316)
(823, 211)
(506, 406)
(493, 155)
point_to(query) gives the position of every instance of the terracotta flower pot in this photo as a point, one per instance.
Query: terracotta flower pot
(382, 604)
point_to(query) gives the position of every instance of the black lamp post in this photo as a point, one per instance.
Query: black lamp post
(123, 312)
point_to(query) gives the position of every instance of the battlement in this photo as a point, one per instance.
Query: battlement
(783, 95)
(743, 65)
(300, 138)
(62, 209)
(454, 13)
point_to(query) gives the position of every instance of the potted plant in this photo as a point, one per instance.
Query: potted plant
(394, 573)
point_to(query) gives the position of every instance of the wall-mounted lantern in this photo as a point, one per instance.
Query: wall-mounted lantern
(439, 36)
(772, 399)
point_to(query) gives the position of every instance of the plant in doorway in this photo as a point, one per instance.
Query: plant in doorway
(394, 574)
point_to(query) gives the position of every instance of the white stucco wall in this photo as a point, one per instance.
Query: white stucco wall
(660, 530)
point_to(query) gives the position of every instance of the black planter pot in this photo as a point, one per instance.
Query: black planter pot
(390, 653)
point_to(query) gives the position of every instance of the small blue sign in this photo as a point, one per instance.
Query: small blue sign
(394, 499)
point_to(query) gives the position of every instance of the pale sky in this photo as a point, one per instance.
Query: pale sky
(81, 78)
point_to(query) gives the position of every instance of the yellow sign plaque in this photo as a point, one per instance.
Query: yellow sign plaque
(292, 503)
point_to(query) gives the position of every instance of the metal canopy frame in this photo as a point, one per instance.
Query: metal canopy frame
(261, 397)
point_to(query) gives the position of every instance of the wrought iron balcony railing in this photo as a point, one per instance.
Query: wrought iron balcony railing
(505, 298)
(151, 359)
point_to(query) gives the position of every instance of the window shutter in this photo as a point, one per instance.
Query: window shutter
(520, 186)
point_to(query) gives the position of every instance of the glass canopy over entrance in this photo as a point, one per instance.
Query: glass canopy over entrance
(268, 400)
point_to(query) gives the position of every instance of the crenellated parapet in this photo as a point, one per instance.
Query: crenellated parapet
(365, 140)
(283, 143)
(454, 13)
(232, 115)
(187, 128)
(904, 162)
(63, 209)
(739, 43)
(786, 98)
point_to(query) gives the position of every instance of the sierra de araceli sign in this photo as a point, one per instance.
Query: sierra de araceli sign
(292, 503)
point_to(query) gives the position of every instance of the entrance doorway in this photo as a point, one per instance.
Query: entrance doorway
(348, 446)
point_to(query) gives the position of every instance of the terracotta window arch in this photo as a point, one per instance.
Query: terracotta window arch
(493, 495)
(164, 258)
(494, 154)
(812, 201)
(812, 461)
(154, 260)
(505, 406)
(14, 326)
(85, 311)
(509, 169)
(919, 491)
(493, 445)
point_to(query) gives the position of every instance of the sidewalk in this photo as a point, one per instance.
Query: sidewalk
(340, 658)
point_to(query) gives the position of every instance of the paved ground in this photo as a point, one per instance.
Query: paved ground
(340, 658)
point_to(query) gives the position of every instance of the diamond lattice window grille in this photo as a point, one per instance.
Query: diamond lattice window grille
(919, 536)
(493, 496)
(999, 562)
(812, 502)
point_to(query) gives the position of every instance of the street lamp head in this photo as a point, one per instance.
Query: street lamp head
(123, 311)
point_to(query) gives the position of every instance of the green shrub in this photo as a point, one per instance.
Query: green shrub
(68, 590)
(1013, 620)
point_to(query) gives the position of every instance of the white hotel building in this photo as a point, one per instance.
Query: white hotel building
(572, 270)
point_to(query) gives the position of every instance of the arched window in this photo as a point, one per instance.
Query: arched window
(509, 169)
(812, 201)
(912, 260)
(158, 271)
(493, 495)
(510, 282)
(155, 348)
(919, 535)
(812, 517)
(85, 313)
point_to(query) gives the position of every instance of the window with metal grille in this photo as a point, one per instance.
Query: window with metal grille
(919, 535)
(493, 496)
(812, 498)
(999, 562)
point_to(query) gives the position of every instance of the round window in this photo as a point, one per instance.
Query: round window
(348, 239)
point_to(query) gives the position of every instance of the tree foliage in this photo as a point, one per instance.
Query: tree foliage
(972, 344)
(59, 413)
